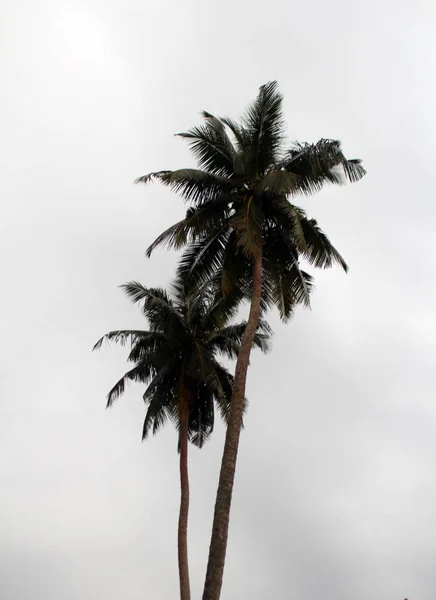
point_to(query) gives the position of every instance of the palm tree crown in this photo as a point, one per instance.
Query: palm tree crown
(178, 355)
(242, 195)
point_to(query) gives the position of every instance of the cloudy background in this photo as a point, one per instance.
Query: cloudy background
(335, 493)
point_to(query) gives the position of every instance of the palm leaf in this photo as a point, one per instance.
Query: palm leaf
(122, 337)
(157, 307)
(140, 373)
(202, 259)
(319, 251)
(173, 237)
(150, 177)
(247, 222)
(219, 125)
(263, 121)
(154, 349)
(157, 412)
(201, 415)
(278, 183)
(196, 224)
(210, 149)
(315, 165)
(241, 136)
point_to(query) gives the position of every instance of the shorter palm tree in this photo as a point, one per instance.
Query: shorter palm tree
(177, 360)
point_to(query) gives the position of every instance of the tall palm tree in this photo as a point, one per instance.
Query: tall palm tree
(176, 359)
(243, 228)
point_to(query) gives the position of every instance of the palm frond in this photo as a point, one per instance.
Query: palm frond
(235, 267)
(288, 217)
(263, 121)
(222, 307)
(121, 337)
(319, 251)
(197, 186)
(353, 169)
(140, 373)
(210, 147)
(137, 292)
(262, 337)
(316, 164)
(197, 223)
(227, 340)
(220, 126)
(241, 136)
(200, 436)
(153, 348)
(247, 222)
(201, 415)
(157, 412)
(202, 259)
(150, 177)
(157, 307)
(221, 382)
(173, 237)
(287, 285)
(278, 183)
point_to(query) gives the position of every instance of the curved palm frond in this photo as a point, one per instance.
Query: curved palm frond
(228, 339)
(263, 121)
(222, 308)
(262, 337)
(278, 182)
(235, 269)
(201, 415)
(195, 185)
(247, 223)
(315, 164)
(288, 285)
(156, 349)
(196, 224)
(319, 251)
(287, 217)
(218, 124)
(150, 177)
(210, 146)
(157, 307)
(140, 373)
(174, 237)
(221, 382)
(241, 136)
(203, 258)
(158, 411)
(122, 337)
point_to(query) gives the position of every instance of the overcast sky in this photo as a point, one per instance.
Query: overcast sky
(335, 492)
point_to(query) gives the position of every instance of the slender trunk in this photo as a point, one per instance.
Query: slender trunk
(220, 528)
(185, 593)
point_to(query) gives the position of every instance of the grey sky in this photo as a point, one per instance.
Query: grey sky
(336, 484)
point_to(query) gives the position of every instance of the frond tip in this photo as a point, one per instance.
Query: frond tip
(157, 176)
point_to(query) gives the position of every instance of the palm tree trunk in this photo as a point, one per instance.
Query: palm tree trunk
(185, 593)
(220, 528)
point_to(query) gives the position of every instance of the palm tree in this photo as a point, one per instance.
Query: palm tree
(176, 359)
(243, 228)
